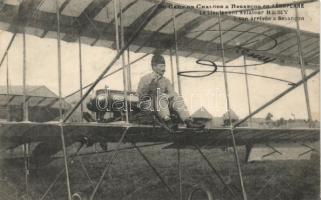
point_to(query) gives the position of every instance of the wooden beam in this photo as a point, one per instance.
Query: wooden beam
(17, 15)
(62, 7)
(268, 39)
(312, 55)
(85, 19)
(247, 30)
(202, 32)
(138, 21)
(42, 21)
(112, 21)
(157, 31)
(294, 45)
(225, 31)
(313, 50)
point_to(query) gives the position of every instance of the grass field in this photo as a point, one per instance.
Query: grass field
(131, 178)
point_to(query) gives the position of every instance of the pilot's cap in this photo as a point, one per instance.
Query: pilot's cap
(158, 59)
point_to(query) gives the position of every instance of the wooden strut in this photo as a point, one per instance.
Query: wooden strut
(303, 75)
(7, 74)
(176, 53)
(60, 102)
(172, 67)
(7, 49)
(247, 88)
(24, 73)
(237, 160)
(180, 93)
(122, 55)
(80, 78)
(25, 113)
(126, 73)
(129, 79)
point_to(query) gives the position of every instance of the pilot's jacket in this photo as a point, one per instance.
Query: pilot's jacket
(155, 87)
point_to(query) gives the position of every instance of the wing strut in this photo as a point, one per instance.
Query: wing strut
(172, 67)
(7, 49)
(60, 102)
(180, 93)
(25, 112)
(24, 73)
(305, 84)
(80, 78)
(124, 66)
(229, 111)
(7, 75)
(247, 87)
(176, 52)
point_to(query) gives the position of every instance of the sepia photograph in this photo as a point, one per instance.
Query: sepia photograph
(159, 99)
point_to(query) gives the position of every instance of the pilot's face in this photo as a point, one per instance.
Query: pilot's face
(159, 69)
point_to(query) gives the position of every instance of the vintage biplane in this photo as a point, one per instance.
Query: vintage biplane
(149, 26)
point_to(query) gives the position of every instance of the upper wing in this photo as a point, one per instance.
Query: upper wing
(197, 35)
(13, 134)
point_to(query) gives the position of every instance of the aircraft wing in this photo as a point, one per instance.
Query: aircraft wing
(13, 134)
(197, 34)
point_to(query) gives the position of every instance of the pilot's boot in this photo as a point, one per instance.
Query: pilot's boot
(171, 125)
(88, 117)
(190, 124)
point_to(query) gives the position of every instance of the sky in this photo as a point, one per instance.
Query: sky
(208, 92)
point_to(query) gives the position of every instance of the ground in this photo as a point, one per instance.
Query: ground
(131, 178)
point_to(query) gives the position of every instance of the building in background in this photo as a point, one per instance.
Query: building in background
(42, 103)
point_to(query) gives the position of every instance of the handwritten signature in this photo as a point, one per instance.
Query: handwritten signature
(240, 48)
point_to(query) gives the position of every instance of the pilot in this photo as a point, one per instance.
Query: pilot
(156, 92)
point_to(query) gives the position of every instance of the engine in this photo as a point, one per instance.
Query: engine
(110, 105)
